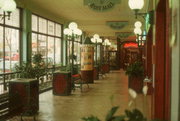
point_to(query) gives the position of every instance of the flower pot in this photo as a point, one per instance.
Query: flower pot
(135, 83)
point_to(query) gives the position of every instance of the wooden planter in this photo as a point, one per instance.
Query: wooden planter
(87, 76)
(135, 83)
(62, 84)
(24, 96)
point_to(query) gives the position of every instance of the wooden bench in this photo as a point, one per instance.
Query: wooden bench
(78, 82)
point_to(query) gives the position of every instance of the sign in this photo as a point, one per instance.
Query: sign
(87, 57)
(101, 5)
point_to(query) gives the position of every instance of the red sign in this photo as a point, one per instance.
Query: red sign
(130, 45)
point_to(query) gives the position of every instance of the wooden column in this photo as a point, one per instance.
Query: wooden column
(162, 64)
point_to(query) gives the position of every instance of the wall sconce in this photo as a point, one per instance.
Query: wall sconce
(137, 5)
(7, 6)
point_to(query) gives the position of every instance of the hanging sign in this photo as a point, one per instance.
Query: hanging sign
(101, 5)
(87, 56)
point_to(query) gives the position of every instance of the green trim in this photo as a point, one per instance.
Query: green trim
(26, 36)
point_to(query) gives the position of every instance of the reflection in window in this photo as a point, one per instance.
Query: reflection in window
(9, 42)
(46, 39)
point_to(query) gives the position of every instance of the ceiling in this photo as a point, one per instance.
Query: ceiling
(89, 20)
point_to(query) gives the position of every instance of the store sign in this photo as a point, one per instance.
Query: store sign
(101, 5)
(130, 45)
(87, 57)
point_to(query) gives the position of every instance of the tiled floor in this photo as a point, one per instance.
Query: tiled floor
(93, 101)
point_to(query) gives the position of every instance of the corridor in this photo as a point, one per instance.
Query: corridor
(93, 101)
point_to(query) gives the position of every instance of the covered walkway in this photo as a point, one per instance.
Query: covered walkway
(94, 101)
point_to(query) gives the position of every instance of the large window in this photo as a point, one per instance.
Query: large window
(46, 39)
(9, 42)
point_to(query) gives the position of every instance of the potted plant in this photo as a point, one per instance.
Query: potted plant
(135, 73)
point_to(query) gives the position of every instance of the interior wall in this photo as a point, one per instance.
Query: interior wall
(175, 38)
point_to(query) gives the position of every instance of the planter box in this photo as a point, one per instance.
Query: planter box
(135, 83)
(87, 76)
(24, 96)
(62, 84)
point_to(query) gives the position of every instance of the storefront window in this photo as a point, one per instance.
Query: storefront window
(9, 42)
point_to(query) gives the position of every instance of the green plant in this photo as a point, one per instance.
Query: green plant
(32, 70)
(130, 115)
(134, 115)
(135, 70)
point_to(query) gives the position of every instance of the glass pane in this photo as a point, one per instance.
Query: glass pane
(1, 20)
(34, 43)
(42, 45)
(14, 19)
(1, 50)
(42, 25)
(50, 57)
(57, 51)
(58, 30)
(34, 23)
(50, 28)
(11, 49)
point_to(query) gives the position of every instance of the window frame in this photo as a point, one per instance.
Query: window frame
(60, 37)
(5, 26)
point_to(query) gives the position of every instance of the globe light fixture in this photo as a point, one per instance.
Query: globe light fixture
(96, 36)
(138, 24)
(136, 5)
(72, 26)
(138, 31)
(7, 6)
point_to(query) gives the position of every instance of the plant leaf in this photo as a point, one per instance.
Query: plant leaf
(111, 113)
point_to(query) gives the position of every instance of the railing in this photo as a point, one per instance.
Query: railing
(45, 81)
